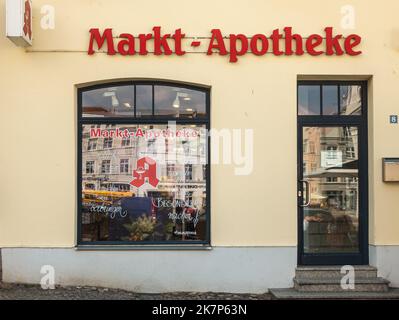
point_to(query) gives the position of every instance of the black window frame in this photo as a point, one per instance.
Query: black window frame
(147, 120)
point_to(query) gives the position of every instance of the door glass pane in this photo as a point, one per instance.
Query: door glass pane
(330, 166)
(330, 100)
(351, 100)
(308, 100)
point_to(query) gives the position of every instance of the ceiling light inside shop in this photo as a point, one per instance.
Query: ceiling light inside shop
(176, 103)
(114, 100)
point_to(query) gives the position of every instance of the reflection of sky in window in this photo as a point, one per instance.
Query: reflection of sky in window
(179, 101)
(109, 101)
(330, 100)
(144, 100)
(350, 100)
(309, 100)
(119, 101)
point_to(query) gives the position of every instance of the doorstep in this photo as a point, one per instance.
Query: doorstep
(292, 294)
(324, 282)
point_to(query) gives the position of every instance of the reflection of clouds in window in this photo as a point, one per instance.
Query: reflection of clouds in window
(179, 102)
(351, 101)
(309, 100)
(119, 101)
(143, 100)
(112, 101)
(345, 98)
(330, 100)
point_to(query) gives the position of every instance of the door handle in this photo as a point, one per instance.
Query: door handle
(306, 204)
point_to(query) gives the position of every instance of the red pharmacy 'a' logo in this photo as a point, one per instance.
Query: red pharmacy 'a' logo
(28, 20)
(146, 168)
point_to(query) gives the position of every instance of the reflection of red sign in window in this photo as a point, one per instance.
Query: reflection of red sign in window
(27, 20)
(146, 168)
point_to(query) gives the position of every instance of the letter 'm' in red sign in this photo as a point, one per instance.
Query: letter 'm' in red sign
(27, 20)
(146, 168)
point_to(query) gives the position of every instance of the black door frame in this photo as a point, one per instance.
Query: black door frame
(324, 121)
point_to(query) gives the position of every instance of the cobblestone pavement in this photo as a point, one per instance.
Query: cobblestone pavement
(34, 292)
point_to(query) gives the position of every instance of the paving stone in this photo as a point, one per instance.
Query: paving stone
(35, 292)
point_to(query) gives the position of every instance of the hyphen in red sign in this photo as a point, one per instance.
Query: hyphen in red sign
(278, 43)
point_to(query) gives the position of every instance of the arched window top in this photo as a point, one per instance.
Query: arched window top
(144, 100)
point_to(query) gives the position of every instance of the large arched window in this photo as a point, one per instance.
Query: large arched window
(143, 164)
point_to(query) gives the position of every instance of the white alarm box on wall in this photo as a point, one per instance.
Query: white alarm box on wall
(19, 22)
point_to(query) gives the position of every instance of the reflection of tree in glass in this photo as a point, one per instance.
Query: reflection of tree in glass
(168, 230)
(140, 229)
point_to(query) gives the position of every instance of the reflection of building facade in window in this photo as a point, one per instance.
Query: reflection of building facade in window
(351, 100)
(180, 170)
(337, 183)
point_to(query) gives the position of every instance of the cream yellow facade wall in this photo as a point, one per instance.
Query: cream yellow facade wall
(38, 110)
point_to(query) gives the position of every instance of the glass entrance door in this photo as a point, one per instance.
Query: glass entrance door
(331, 186)
(332, 190)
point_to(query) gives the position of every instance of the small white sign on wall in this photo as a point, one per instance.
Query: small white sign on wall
(331, 158)
(19, 22)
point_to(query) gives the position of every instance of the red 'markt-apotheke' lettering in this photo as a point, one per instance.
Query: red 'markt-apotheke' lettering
(117, 133)
(279, 43)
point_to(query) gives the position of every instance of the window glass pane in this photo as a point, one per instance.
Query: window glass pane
(351, 100)
(330, 100)
(144, 101)
(308, 100)
(108, 102)
(179, 102)
(331, 170)
(152, 189)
